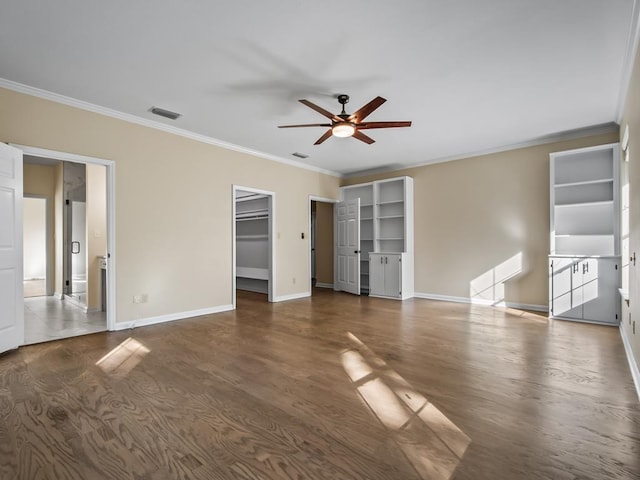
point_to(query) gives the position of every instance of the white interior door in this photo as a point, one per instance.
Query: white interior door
(11, 286)
(348, 246)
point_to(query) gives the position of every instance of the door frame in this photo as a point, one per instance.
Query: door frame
(333, 201)
(111, 214)
(49, 273)
(272, 251)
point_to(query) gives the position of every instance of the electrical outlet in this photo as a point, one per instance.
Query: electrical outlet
(137, 299)
(145, 297)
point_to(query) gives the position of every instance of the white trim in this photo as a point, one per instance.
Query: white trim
(633, 366)
(324, 285)
(111, 214)
(272, 244)
(479, 301)
(293, 296)
(72, 102)
(544, 140)
(594, 148)
(144, 322)
(632, 50)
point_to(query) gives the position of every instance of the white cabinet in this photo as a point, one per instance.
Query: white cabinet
(385, 275)
(386, 226)
(585, 288)
(585, 235)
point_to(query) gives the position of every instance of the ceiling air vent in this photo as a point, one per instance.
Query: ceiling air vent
(164, 113)
(300, 155)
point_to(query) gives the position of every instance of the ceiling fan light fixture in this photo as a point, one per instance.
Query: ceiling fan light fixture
(343, 129)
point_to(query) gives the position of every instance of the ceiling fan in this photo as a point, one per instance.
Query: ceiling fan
(345, 125)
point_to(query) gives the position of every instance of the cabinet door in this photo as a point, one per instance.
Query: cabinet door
(562, 271)
(392, 275)
(601, 283)
(376, 274)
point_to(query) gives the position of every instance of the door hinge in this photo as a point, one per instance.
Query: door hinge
(616, 266)
(616, 316)
(66, 202)
(66, 283)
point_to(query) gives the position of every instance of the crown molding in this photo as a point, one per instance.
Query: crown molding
(543, 140)
(632, 50)
(82, 105)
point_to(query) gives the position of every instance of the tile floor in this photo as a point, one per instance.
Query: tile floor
(48, 318)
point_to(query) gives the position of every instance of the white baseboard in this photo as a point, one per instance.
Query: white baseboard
(478, 301)
(143, 322)
(294, 296)
(633, 365)
(324, 285)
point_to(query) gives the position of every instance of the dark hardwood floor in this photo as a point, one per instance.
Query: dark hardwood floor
(330, 387)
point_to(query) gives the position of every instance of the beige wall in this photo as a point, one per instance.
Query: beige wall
(324, 243)
(631, 174)
(39, 180)
(173, 205)
(96, 180)
(477, 216)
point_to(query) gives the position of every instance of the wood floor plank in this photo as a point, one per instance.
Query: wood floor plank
(329, 387)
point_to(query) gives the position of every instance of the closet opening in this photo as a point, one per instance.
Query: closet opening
(253, 253)
(321, 240)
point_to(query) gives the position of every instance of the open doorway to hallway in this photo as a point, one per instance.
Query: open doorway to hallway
(64, 255)
(322, 243)
(35, 246)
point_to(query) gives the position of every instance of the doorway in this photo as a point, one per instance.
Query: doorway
(78, 192)
(321, 242)
(35, 246)
(253, 246)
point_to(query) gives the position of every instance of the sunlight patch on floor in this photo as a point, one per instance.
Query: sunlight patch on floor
(123, 358)
(431, 442)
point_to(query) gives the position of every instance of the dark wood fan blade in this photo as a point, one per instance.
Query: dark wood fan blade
(362, 137)
(306, 125)
(365, 111)
(321, 110)
(367, 125)
(323, 137)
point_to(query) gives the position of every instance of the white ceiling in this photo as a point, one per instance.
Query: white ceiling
(473, 76)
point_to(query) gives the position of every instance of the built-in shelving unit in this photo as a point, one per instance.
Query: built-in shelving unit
(386, 226)
(584, 217)
(585, 234)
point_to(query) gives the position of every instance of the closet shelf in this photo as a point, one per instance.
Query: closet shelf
(389, 202)
(252, 237)
(255, 273)
(255, 217)
(386, 217)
